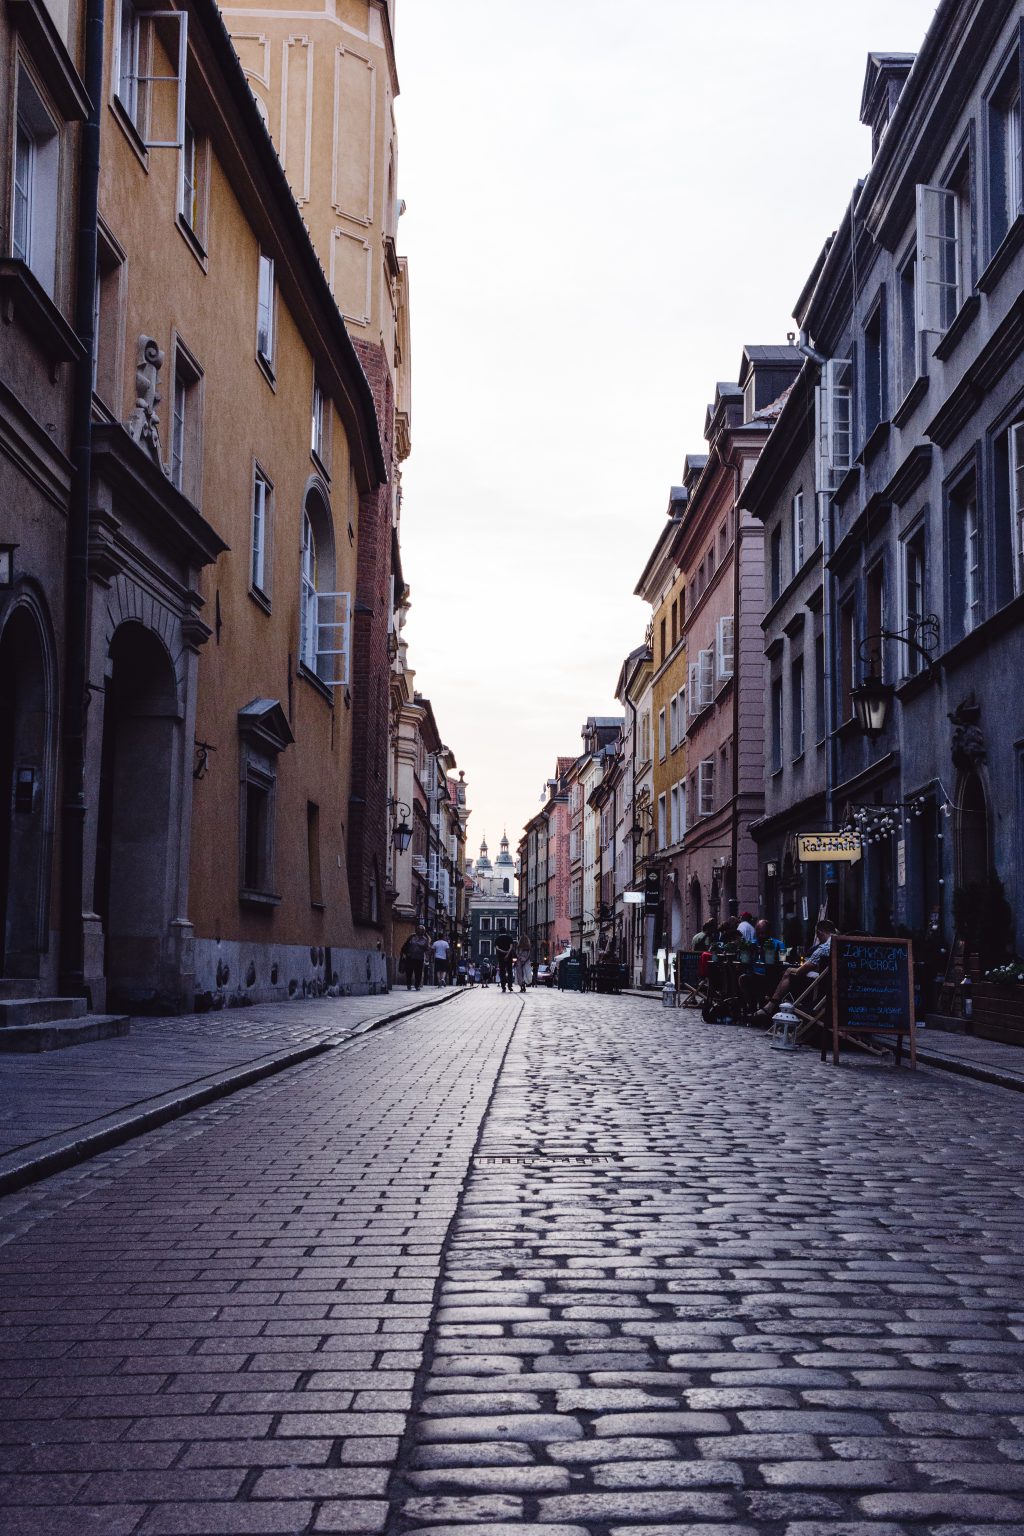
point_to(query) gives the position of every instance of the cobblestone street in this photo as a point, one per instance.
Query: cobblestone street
(564, 1261)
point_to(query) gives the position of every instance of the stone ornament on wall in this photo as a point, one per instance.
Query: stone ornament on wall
(143, 425)
(968, 744)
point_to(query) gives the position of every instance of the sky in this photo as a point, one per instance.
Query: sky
(604, 203)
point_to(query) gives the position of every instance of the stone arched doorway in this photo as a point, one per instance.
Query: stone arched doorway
(973, 832)
(27, 723)
(138, 829)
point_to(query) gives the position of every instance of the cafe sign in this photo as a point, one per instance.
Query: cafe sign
(828, 847)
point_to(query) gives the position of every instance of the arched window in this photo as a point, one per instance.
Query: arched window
(324, 614)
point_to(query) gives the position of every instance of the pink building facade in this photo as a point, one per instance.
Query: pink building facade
(722, 557)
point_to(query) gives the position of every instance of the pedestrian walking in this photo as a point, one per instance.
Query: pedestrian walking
(486, 973)
(523, 968)
(440, 948)
(504, 949)
(414, 953)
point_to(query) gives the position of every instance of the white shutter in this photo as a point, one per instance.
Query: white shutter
(726, 648)
(433, 873)
(1017, 501)
(177, 19)
(693, 688)
(833, 400)
(938, 258)
(673, 723)
(333, 637)
(707, 677)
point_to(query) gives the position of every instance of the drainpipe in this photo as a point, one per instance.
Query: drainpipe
(632, 765)
(72, 945)
(828, 635)
(734, 905)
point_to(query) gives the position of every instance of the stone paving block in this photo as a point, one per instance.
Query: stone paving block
(704, 1473)
(493, 1479)
(510, 1426)
(365, 1515)
(637, 1504)
(321, 1483)
(79, 1520)
(668, 1423)
(952, 1504)
(432, 1508)
(476, 1453)
(240, 1519)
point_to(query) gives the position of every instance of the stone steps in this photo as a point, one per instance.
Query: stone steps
(18, 1011)
(55, 1034)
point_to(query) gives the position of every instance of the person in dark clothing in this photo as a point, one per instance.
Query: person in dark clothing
(414, 952)
(505, 950)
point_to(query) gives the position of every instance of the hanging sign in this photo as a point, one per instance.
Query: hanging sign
(825, 847)
(872, 991)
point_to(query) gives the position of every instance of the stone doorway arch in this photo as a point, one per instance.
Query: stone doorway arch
(696, 917)
(27, 746)
(140, 822)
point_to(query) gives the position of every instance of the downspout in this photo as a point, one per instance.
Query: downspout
(632, 765)
(827, 628)
(72, 938)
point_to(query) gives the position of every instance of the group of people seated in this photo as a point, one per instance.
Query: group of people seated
(740, 958)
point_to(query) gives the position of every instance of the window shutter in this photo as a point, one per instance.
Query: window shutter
(707, 677)
(1017, 499)
(936, 257)
(726, 631)
(693, 687)
(833, 400)
(333, 637)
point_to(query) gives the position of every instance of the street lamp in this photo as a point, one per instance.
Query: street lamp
(401, 832)
(872, 698)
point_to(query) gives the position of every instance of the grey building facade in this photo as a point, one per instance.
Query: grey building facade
(910, 408)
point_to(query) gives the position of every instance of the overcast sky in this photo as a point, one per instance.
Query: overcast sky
(604, 203)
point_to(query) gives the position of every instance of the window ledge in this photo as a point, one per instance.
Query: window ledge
(22, 294)
(192, 240)
(249, 898)
(796, 761)
(260, 599)
(266, 367)
(914, 395)
(877, 438)
(131, 133)
(1007, 249)
(909, 687)
(1006, 618)
(321, 906)
(320, 465)
(51, 58)
(951, 338)
(325, 691)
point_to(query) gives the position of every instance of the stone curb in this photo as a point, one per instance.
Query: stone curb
(57, 1153)
(925, 1057)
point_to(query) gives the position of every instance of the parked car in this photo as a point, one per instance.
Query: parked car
(544, 976)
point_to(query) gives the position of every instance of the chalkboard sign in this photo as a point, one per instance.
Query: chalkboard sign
(687, 968)
(872, 990)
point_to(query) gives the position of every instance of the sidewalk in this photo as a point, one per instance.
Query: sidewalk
(62, 1106)
(987, 1061)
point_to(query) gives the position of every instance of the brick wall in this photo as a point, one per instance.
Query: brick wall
(367, 821)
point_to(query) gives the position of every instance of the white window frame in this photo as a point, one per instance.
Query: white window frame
(662, 822)
(693, 688)
(943, 246)
(910, 618)
(674, 808)
(179, 424)
(706, 787)
(265, 327)
(262, 502)
(318, 431)
(797, 526)
(833, 403)
(662, 752)
(673, 722)
(1016, 446)
(706, 662)
(35, 182)
(132, 88)
(972, 616)
(725, 646)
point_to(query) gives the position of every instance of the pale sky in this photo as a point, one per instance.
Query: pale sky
(605, 202)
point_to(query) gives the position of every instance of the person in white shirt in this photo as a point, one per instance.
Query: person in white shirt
(440, 948)
(745, 928)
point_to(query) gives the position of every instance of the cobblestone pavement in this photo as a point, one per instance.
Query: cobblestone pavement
(692, 1286)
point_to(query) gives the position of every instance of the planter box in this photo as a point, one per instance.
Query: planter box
(998, 1012)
